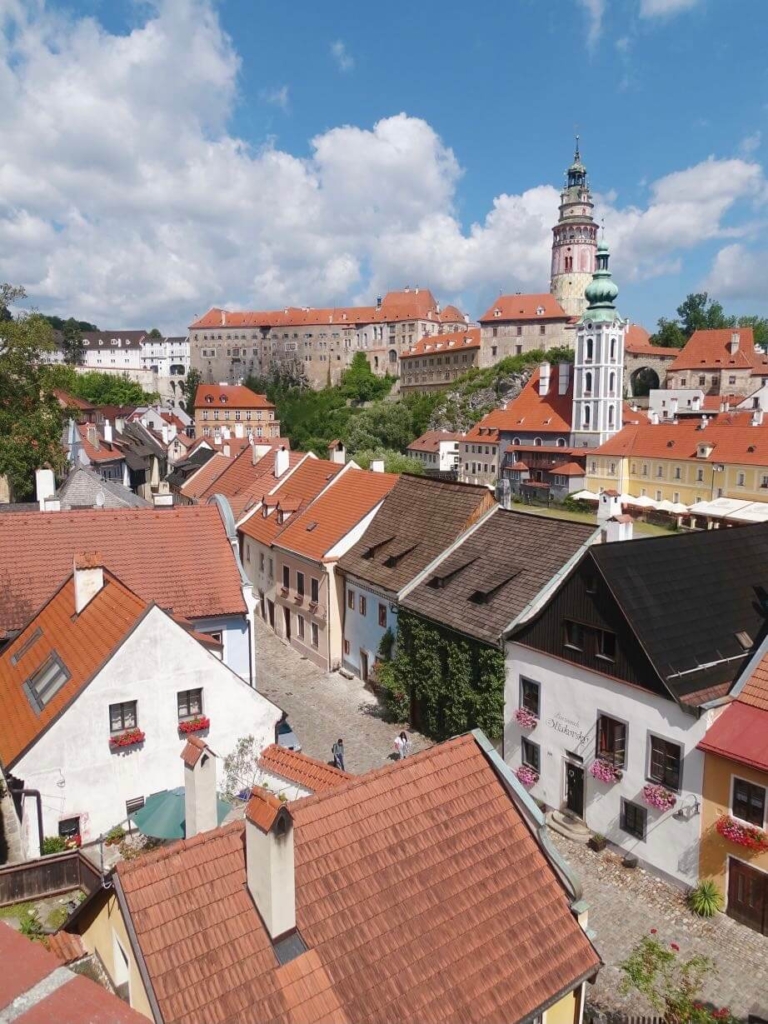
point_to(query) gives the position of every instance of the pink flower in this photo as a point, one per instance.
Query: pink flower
(653, 931)
(675, 946)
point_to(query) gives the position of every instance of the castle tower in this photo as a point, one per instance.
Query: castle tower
(574, 240)
(599, 363)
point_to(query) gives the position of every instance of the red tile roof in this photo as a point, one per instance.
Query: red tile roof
(293, 766)
(419, 885)
(196, 486)
(731, 442)
(94, 445)
(179, 557)
(431, 441)
(68, 948)
(531, 411)
(82, 644)
(264, 809)
(244, 481)
(77, 1000)
(739, 735)
(331, 516)
(569, 469)
(70, 401)
(434, 344)
(451, 315)
(296, 491)
(229, 396)
(755, 689)
(524, 307)
(637, 343)
(193, 750)
(482, 431)
(710, 350)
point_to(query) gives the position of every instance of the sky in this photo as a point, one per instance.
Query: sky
(160, 158)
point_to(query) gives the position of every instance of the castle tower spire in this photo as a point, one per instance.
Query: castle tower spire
(574, 240)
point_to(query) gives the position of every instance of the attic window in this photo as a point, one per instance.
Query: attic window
(209, 398)
(494, 583)
(223, 399)
(751, 448)
(439, 581)
(18, 655)
(394, 557)
(670, 444)
(371, 551)
(497, 312)
(745, 640)
(46, 682)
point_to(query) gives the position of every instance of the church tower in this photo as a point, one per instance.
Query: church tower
(599, 363)
(574, 240)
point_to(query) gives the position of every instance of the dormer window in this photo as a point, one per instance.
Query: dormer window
(497, 312)
(539, 311)
(209, 399)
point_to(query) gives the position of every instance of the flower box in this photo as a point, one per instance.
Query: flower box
(604, 771)
(658, 796)
(741, 833)
(527, 776)
(126, 739)
(525, 718)
(195, 724)
(74, 842)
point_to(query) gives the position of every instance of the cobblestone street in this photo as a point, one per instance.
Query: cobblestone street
(625, 904)
(321, 707)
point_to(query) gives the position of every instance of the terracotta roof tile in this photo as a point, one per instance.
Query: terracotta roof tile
(417, 885)
(569, 469)
(738, 734)
(297, 767)
(637, 342)
(446, 342)
(196, 486)
(193, 750)
(263, 809)
(66, 947)
(245, 481)
(531, 411)
(179, 557)
(229, 396)
(417, 521)
(710, 350)
(430, 442)
(331, 516)
(525, 307)
(755, 689)
(95, 447)
(732, 439)
(296, 491)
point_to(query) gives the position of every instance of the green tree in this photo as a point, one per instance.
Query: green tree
(9, 294)
(759, 325)
(155, 333)
(72, 342)
(98, 388)
(394, 462)
(384, 425)
(361, 384)
(700, 313)
(57, 323)
(31, 419)
(189, 388)
(669, 334)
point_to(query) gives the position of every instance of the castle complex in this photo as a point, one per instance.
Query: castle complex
(574, 242)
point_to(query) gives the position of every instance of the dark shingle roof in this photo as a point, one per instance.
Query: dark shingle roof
(496, 571)
(82, 487)
(418, 520)
(687, 596)
(183, 470)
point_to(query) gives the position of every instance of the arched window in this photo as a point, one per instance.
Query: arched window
(560, 443)
(515, 440)
(613, 348)
(612, 383)
(588, 382)
(610, 415)
(393, 355)
(590, 349)
(586, 415)
(537, 442)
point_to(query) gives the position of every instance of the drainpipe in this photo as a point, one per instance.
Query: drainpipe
(36, 794)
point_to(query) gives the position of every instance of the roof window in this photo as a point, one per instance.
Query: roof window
(209, 398)
(311, 526)
(670, 444)
(744, 639)
(43, 685)
(222, 399)
(18, 655)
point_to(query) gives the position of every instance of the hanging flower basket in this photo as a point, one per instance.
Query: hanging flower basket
(527, 776)
(604, 771)
(659, 797)
(126, 739)
(525, 718)
(740, 832)
(195, 724)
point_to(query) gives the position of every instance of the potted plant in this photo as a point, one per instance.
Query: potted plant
(658, 796)
(525, 718)
(196, 724)
(115, 836)
(705, 899)
(741, 833)
(604, 771)
(597, 842)
(527, 776)
(129, 738)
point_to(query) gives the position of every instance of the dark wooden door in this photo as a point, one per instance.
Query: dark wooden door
(574, 789)
(747, 895)
(287, 621)
(364, 666)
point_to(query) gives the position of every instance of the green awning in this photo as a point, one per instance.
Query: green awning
(163, 817)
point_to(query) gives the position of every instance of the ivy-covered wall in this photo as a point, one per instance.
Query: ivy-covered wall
(444, 682)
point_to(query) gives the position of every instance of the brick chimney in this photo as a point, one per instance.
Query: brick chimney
(89, 578)
(270, 868)
(282, 461)
(201, 812)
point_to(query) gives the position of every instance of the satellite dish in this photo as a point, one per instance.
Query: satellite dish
(100, 498)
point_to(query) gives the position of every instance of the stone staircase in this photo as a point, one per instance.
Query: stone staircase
(568, 825)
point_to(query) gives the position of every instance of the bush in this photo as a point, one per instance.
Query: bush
(397, 700)
(29, 923)
(705, 899)
(53, 844)
(115, 835)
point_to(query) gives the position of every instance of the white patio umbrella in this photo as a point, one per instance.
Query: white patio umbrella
(679, 509)
(643, 502)
(666, 506)
(626, 499)
(585, 496)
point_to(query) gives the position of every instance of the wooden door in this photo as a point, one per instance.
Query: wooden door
(364, 666)
(747, 895)
(287, 621)
(574, 789)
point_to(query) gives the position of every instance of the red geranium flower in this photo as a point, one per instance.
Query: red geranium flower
(675, 946)
(653, 931)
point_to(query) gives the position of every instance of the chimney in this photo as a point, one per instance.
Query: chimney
(673, 403)
(704, 422)
(223, 318)
(92, 435)
(696, 403)
(378, 302)
(377, 465)
(544, 373)
(107, 430)
(338, 453)
(201, 810)
(226, 450)
(161, 500)
(616, 528)
(282, 460)
(120, 424)
(563, 377)
(269, 861)
(654, 417)
(733, 344)
(89, 579)
(45, 486)
(757, 418)
(609, 506)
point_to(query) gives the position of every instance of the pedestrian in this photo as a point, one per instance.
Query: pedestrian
(405, 744)
(399, 747)
(338, 754)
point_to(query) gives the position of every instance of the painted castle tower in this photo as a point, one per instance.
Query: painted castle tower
(599, 362)
(574, 242)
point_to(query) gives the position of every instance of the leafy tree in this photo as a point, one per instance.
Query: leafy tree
(72, 342)
(759, 325)
(384, 425)
(394, 462)
(155, 333)
(57, 323)
(669, 334)
(700, 313)
(361, 384)
(31, 419)
(189, 388)
(98, 388)
(241, 768)
(8, 295)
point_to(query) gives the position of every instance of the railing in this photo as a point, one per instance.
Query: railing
(48, 876)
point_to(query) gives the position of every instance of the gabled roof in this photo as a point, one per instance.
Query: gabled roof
(482, 431)
(730, 437)
(687, 598)
(739, 734)
(95, 447)
(243, 478)
(531, 411)
(183, 470)
(82, 644)
(417, 521)
(296, 491)
(293, 766)
(178, 557)
(33, 989)
(637, 342)
(83, 488)
(337, 511)
(104, 339)
(710, 350)
(432, 439)
(569, 469)
(419, 885)
(447, 342)
(229, 396)
(208, 473)
(541, 306)
(496, 571)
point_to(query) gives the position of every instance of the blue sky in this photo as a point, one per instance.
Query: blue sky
(255, 154)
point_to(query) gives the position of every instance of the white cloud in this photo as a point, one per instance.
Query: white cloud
(344, 60)
(665, 8)
(124, 200)
(277, 97)
(738, 273)
(750, 143)
(595, 10)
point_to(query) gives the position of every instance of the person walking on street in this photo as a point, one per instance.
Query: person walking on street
(399, 747)
(405, 744)
(338, 754)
